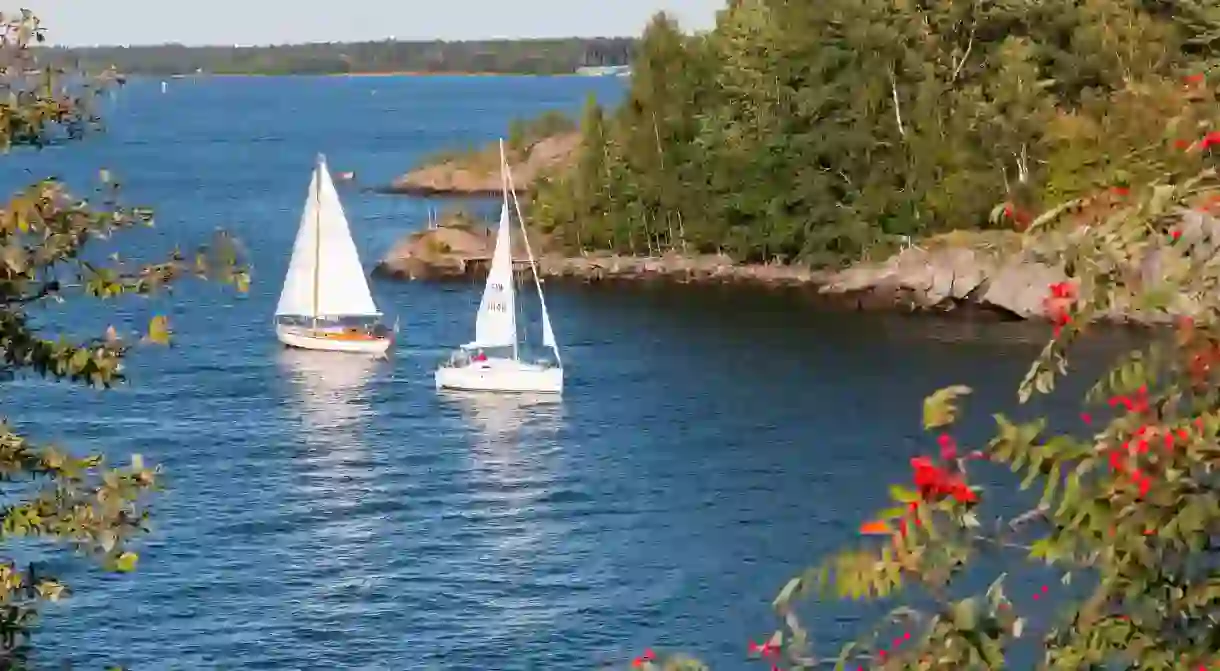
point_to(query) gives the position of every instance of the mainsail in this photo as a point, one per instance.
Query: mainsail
(496, 321)
(325, 277)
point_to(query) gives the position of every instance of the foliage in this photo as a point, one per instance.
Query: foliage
(816, 132)
(1128, 508)
(534, 56)
(49, 244)
(1126, 514)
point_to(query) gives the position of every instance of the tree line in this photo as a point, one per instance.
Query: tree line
(533, 56)
(815, 132)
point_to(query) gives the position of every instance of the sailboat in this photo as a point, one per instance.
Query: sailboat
(326, 303)
(493, 361)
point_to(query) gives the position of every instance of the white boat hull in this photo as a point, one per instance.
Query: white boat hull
(305, 339)
(502, 375)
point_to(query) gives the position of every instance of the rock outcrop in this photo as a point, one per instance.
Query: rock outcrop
(479, 173)
(462, 251)
(455, 248)
(960, 272)
(946, 277)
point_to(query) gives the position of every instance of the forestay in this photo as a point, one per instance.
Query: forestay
(496, 322)
(325, 277)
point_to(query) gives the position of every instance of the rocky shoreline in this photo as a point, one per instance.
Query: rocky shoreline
(945, 279)
(846, 289)
(979, 274)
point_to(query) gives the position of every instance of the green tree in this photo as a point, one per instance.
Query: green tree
(816, 133)
(593, 176)
(51, 495)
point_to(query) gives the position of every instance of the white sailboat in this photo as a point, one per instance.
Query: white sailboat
(326, 303)
(492, 361)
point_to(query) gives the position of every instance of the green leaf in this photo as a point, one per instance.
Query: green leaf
(158, 330)
(964, 614)
(785, 595)
(1070, 493)
(1044, 382)
(892, 513)
(1052, 483)
(1191, 518)
(903, 494)
(1162, 197)
(940, 409)
(50, 590)
(79, 360)
(1044, 549)
(126, 562)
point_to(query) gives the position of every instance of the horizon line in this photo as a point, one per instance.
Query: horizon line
(270, 45)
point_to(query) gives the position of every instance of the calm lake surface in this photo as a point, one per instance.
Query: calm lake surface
(326, 511)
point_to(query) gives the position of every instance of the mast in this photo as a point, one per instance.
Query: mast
(317, 233)
(512, 275)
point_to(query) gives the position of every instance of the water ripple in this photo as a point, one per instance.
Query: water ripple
(326, 511)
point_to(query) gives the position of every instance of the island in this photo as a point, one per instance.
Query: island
(534, 148)
(924, 175)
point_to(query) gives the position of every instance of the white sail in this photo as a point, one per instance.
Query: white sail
(548, 334)
(296, 298)
(325, 277)
(496, 322)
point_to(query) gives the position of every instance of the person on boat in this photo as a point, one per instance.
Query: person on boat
(480, 356)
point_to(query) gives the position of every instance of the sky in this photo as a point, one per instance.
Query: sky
(253, 22)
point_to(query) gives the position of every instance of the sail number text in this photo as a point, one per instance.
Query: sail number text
(494, 305)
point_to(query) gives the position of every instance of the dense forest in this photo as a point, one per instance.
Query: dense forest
(816, 132)
(540, 56)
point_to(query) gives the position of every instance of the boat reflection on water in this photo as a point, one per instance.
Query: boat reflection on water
(331, 389)
(506, 421)
(333, 407)
(332, 475)
(515, 468)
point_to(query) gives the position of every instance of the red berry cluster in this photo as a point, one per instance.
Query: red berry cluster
(1020, 216)
(1209, 140)
(936, 483)
(1141, 439)
(766, 650)
(643, 659)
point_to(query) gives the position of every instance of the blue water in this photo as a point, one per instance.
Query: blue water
(329, 512)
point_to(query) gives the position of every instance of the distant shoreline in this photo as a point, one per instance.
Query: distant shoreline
(362, 75)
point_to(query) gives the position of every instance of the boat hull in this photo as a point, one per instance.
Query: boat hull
(501, 375)
(332, 342)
